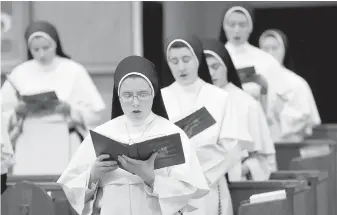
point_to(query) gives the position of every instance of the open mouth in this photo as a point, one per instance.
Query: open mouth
(237, 38)
(183, 75)
(136, 111)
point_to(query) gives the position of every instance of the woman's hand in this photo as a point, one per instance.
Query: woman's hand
(144, 169)
(101, 167)
(21, 109)
(63, 108)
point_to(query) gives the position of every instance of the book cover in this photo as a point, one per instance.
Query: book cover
(196, 122)
(245, 74)
(39, 98)
(169, 148)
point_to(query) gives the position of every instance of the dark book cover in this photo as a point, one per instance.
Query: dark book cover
(246, 74)
(196, 122)
(40, 98)
(169, 147)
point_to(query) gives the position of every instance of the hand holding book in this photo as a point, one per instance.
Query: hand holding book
(101, 167)
(144, 169)
(169, 148)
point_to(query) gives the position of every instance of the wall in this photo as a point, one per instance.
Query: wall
(182, 18)
(212, 11)
(95, 34)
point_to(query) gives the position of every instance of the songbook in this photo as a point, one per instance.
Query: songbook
(38, 101)
(196, 122)
(246, 74)
(169, 148)
(40, 98)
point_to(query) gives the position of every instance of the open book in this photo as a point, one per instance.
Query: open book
(37, 98)
(169, 147)
(196, 122)
(40, 98)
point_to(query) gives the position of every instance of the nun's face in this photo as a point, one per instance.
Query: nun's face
(183, 65)
(218, 71)
(237, 28)
(136, 98)
(43, 50)
(272, 46)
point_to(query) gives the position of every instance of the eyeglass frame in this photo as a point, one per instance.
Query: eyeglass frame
(133, 96)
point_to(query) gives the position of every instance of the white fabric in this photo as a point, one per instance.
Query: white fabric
(43, 148)
(41, 34)
(300, 114)
(247, 55)
(219, 146)
(120, 192)
(7, 154)
(252, 116)
(73, 85)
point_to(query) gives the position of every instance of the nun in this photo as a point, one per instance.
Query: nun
(236, 28)
(94, 186)
(45, 138)
(261, 160)
(298, 125)
(219, 147)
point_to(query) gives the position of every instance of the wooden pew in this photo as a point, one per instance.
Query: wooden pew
(325, 131)
(275, 207)
(291, 156)
(318, 181)
(25, 199)
(297, 191)
(61, 203)
(12, 179)
(61, 206)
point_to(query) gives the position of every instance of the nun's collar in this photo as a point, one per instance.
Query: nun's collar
(237, 49)
(51, 67)
(229, 86)
(140, 123)
(192, 88)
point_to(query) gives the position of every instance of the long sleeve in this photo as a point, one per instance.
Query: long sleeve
(295, 115)
(74, 180)
(9, 100)
(85, 99)
(259, 130)
(7, 154)
(261, 166)
(183, 183)
(219, 158)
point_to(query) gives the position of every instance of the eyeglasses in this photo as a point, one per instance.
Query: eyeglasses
(128, 97)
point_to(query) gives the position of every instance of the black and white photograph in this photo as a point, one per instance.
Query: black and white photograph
(168, 108)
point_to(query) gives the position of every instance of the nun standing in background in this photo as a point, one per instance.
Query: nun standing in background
(45, 138)
(219, 147)
(95, 186)
(296, 126)
(236, 28)
(261, 160)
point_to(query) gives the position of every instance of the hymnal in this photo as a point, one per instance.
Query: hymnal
(247, 73)
(169, 147)
(196, 122)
